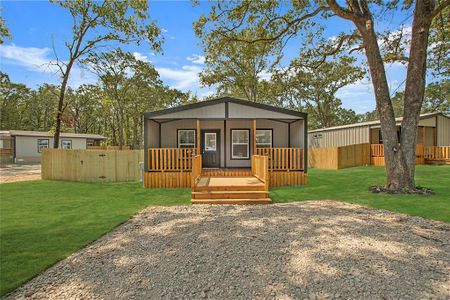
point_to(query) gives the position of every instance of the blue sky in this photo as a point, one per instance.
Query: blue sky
(35, 24)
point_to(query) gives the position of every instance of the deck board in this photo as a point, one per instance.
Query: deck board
(229, 182)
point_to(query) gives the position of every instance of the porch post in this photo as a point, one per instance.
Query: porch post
(254, 137)
(198, 137)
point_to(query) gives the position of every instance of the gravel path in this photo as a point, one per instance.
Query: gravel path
(309, 250)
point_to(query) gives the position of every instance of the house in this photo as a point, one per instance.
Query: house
(433, 137)
(21, 146)
(225, 144)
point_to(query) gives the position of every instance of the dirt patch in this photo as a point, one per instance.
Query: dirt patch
(312, 250)
(13, 173)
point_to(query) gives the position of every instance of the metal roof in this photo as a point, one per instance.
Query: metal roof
(46, 134)
(220, 100)
(373, 123)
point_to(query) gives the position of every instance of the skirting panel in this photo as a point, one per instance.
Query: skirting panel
(167, 179)
(281, 178)
(227, 173)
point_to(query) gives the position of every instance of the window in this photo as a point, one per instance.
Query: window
(42, 144)
(210, 141)
(317, 135)
(66, 144)
(186, 138)
(264, 138)
(240, 146)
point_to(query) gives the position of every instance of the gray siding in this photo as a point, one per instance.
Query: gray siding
(339, 137)
(216, 111)
(27, 148)
(239, 111)
(443, 131)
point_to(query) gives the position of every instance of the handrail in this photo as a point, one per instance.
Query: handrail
(284, 159)
(196, 170)
(170, 159)
(260, 169)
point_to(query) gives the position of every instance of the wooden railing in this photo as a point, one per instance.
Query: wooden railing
(377, 150)
(437, 152)
(170, 159)
(196, 170)
(284, 159)
(260, 168)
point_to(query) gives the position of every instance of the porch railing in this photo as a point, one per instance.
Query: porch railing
(260, 169)
(170, 159)
(284, 159)
(377, 150)
(437, 152)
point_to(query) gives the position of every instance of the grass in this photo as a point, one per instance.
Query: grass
(352, 185)
(43, 222)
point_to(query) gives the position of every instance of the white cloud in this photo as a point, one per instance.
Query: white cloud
(196, 59)
(38, 60)
(140, 56)
(34, 59)
(184, 78)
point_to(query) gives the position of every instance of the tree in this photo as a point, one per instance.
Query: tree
(316, 87)
(235, 68)
(278, 24)
(94, 25)
(13, 96)
(4, 32)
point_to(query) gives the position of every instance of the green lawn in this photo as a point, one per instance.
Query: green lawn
(45, 221)
(352, 185)
(42, 222)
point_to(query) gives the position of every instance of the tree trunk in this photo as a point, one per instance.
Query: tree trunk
(415, 85)
(398, 174)
(62, 94)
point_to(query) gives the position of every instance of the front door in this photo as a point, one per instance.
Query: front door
(210, 147)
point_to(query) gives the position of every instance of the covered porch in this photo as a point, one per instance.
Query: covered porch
(227, 141)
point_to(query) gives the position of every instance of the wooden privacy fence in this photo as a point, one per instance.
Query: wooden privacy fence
(283, 159)
(339, 157)
(260, 169)
(92, 165)
(108, 147)
(169, 159)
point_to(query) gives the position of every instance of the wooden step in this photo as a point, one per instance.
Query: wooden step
(230, 188)
(232, 201)
(230, 195)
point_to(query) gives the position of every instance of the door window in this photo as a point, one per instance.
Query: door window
(210, 141)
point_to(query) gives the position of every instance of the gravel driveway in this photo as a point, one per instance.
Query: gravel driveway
(14, 173)
(313, 250)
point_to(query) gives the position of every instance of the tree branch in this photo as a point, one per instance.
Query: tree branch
(440, 8)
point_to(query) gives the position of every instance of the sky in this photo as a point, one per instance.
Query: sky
(37, 25)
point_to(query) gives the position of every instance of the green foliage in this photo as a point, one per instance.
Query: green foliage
(92, 108)
(4, 32)
(45, 221)
(436, 99)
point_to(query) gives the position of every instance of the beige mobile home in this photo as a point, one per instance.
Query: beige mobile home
(433, 137)
(235, 140)
(26, 146)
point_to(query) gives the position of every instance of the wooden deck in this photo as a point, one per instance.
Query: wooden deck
(230, 190)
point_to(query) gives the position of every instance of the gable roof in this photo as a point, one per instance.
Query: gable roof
(46, 134)
(160, 113)
(375, 123)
